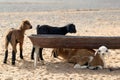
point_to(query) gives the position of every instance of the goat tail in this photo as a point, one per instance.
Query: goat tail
(37, 29)
(7, 40)
(38, 26)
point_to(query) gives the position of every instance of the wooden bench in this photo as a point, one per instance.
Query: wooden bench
(81, 42)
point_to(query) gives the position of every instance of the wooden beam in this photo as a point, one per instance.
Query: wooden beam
(61, 41)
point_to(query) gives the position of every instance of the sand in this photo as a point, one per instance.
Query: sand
(88, 23)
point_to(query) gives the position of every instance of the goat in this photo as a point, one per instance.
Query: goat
(15, 36)
(82, 58)
(98, 58)
(46, 29)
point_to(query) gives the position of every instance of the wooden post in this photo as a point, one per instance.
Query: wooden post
(61, 41)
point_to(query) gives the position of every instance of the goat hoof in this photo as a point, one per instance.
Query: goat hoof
(111, 69)
(13, 63)
(95, 68)
(21, 57)
(32, 58)
(5, 62)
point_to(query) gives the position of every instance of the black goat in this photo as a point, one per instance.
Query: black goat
(46, 29)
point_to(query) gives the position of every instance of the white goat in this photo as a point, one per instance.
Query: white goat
(96, 61)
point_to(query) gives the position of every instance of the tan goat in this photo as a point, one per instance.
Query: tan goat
(15, 36)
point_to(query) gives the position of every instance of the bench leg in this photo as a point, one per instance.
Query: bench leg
(36, 56)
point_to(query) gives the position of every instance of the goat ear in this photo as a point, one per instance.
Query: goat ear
(22, 24)
(21, 27)
(96, 53)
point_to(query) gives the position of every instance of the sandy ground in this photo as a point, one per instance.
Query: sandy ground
(88, 23)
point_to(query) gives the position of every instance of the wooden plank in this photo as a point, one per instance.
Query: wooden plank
(61, 41)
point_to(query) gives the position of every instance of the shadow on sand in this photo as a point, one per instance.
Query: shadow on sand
(63, 67)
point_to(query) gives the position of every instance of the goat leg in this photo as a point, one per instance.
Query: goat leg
(13, 57)
(40, 53)
(6, 55)
(21, 55)
(21, 50)
(32, 53)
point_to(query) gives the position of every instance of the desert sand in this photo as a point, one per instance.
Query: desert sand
(88, 23)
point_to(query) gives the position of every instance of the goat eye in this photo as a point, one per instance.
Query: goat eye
(106, 50)
(99, 51)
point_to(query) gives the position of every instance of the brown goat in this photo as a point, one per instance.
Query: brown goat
(15, 36)
(74, 55)
(84, 57)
